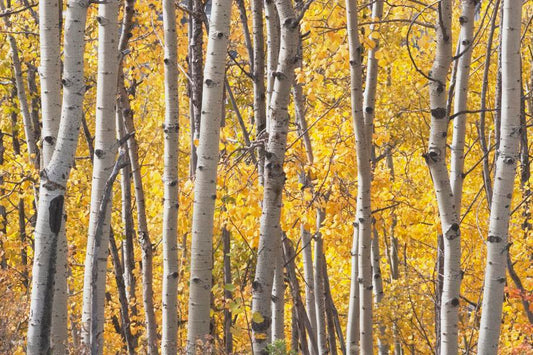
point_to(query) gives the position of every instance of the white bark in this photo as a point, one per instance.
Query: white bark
(53, 181)
(206, 176)
(278, 299)
(363, 216)
(497, 241)
(50, 74)
(105, 145)
(259, 82)
(273, 43)
(377, 281)
(170, 179)
(352, 330)
(50, 77)
(436, 160)
(318, 285)
(460, 101)
(274, 176)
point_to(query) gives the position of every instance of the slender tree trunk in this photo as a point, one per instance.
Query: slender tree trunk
(126, 209)
(352, 331)
(142, 224)
(93, 320)
(121, 287)
(436, 160)
(274, 177)
(318, 285)
(259, 82)
(27, 124)
(497, 241)
(53, 182)
(363, 216)
(308, 277)
(170, 179)
(273, 46)
(206, 176)
(460, 102)
(50, 74)
(50, 77)
(196, 73)
(383, 345)
(278, 299)
(228, 295)
(301, 317)
(483, 106)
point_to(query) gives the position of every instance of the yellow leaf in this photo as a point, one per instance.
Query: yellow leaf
(257, 317)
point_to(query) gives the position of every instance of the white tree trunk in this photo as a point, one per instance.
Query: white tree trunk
(497, 241)
(363, 216)
(278, 299)
(50, 75)
(270, 231)
(104, 160)
(170, 179)
(259, 82)
(273, 43)
(383, 344)
(460, 101)
(436, 160)
(53, 181)
(352, 329)
(206, 176)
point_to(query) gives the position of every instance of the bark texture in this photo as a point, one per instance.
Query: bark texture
(508, 155)
(170, 180)
(206, 176)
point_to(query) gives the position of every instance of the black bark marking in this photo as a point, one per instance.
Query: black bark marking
(55, 213)
(439, 112)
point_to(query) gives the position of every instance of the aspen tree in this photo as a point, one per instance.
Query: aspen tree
(53, 181)
(170, 180)
(273, 43)
(506, 161)
(50, 77)
(206, 176)
(278, 299)
(259, 81)
(436, 160)
(104, 160)
(363, 222)
(460, 101)
(274, 176)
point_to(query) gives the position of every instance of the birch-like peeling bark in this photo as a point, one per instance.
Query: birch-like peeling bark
(269, 241)
(170, 179)
(206, 176)
(508, 155)
(93, 320)
(54, 179)
(436, 160)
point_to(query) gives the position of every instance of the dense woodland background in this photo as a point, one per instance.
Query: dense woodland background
(319, 194)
